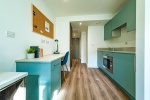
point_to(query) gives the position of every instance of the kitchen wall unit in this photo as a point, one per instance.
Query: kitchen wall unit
(44, 79)
(126, 16)
(123, 70)
(131, 13)
(119, 19)
(109, 33)
(108, 30)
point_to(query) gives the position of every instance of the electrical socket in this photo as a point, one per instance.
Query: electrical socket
(47, 42)
(42, 41)
(10, 34)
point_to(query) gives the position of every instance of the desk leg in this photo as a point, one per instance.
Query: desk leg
(32, 87)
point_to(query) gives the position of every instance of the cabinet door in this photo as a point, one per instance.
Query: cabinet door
(130, 76)
(131, 21)
(32, 87)
(99, 59)
(55, 78)
(124, 73)
(119, 69)
(107, 31)
(120, 19)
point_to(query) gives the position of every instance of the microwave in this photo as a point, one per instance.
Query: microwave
(108, 63)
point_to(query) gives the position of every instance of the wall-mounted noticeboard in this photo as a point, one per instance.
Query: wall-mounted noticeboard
(41, 24)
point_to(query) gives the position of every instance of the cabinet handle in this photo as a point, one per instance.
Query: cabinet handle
(56, 64)
(134, 63)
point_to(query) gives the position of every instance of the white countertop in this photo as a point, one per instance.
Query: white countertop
(7, 78)
(46, 59)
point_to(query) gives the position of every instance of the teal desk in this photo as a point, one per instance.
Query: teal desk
(44, 76)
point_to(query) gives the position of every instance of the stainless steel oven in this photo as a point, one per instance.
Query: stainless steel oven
(108, 63)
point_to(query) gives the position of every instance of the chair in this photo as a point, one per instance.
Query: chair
(64, 62)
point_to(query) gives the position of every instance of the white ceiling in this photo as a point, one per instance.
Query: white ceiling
(84, 7)
(76, 25)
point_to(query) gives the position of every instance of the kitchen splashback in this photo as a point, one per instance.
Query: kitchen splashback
(127, 39)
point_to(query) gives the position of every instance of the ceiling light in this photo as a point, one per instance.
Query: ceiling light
(98, 22)
(80, 23)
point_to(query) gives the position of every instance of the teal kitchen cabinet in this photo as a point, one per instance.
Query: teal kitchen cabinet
(100, 59)
(56, 79)
(44, 78)
(107, 30)
(124, 73)
(131, 19)
(126, 16)
(120, 19)
(109, 33)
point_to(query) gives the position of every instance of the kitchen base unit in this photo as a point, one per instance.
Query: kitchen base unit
(124, 69)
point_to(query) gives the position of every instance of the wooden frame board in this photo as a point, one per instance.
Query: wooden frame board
(41, 24)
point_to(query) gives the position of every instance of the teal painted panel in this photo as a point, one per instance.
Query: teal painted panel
(32, 87)
(131, 21)
(55, 90)
(43, 70)
(126, 16)
(124, 73)
(119, 69)
(107, 30)
(49, 78)
(56, 63)
(120, 19)
(99, 59)
(115, 22)
(56, 76)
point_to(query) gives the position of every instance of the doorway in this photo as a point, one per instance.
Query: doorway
(75, 48)
(74, 45)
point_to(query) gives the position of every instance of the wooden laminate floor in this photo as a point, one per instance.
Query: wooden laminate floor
(88, 84)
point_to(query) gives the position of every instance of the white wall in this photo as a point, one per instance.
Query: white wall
(16, 16)
(95, 40)
(142, 50)
(147, 51)
(63, 29)
(127, 39)
(83, 47)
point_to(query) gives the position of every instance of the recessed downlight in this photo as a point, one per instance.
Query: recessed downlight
(98, 22)
(80, 23)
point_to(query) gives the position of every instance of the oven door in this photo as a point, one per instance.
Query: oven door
(106, 62)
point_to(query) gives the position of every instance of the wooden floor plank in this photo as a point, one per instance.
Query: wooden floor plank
(84, 83)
